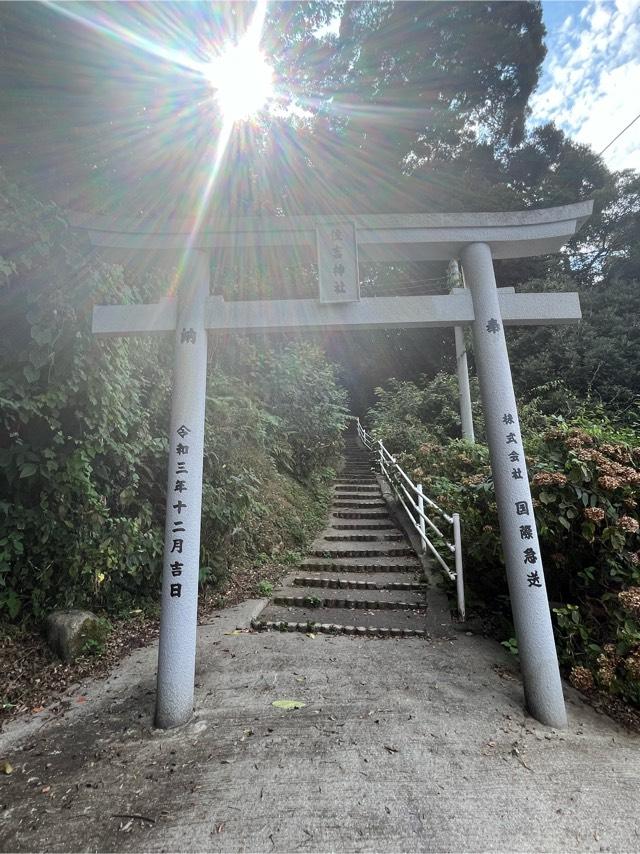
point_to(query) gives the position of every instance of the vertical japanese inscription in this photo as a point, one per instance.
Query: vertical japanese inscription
(178, 530)
(338, 262)
(525, 531)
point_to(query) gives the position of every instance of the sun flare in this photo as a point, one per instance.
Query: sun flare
(242, 80)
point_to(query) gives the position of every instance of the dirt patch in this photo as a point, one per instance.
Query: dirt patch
(32, 677)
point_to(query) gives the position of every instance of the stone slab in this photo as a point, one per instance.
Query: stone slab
(377, 578)
(398, 619)
(382, 596)
(345, 563)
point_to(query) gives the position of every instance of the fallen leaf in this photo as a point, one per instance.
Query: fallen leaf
(390, 749)
(288, 704)
(46, 789)
(81, 699)
(6, 767)
(37, 709)
(234, 632)
(311, 635)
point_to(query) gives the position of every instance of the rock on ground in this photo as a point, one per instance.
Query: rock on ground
(69, 632)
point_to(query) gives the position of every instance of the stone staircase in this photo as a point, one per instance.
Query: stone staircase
(361, 576)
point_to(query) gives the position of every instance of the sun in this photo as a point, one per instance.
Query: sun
(242, 80)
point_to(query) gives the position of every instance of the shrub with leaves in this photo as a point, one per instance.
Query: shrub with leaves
(585, 481)
(585, 492)
(80, 447)
(407, 413)
(83, 425)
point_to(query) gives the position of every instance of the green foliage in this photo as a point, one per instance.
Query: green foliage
(95, 639)
(585, 475)
(407, 413)
(300, 388)
(511, 645)
(82, 434)
(600, 357)
(79, 451)
(265, 588)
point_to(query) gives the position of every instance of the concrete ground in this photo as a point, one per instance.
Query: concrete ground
(403, 745)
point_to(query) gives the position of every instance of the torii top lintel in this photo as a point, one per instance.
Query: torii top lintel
(381, 237)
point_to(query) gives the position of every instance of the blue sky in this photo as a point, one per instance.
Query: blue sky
(590, 83)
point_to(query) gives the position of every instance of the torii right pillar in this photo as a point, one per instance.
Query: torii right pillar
(525, 576)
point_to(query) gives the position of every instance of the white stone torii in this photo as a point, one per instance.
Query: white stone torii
(473, 238)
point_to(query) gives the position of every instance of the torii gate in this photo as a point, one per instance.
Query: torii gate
(473, 238)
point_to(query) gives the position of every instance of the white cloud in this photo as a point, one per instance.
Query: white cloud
(591, 79)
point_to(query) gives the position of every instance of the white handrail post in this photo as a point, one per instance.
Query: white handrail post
(457, 541)
(380, 456)
(423, 531)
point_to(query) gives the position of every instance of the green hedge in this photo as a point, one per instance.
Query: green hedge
(83, 431)
(585, 480)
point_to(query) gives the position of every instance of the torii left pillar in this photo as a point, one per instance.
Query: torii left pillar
(179, 608)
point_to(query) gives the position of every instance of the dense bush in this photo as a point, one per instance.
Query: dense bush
(83, 426)
(267, 454)
(407, 412)
(585, 479)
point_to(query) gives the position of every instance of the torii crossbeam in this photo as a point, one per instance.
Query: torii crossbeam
(473, 238)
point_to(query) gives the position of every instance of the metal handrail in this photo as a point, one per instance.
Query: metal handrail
(405, 490)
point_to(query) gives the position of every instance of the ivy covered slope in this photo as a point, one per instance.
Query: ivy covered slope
(83, 425)
(585, 473)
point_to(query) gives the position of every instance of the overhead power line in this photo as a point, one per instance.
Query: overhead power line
(617, 136)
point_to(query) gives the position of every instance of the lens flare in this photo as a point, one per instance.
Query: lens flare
(242, 80)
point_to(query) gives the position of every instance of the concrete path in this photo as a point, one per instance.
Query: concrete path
(403, 745)
(362, 575)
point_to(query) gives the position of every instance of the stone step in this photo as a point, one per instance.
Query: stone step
(356, 487)
(347, 550)
(364, 503)
(359, 536)
(359, 565)
(410, 580)
(380, 623)
(359, 499)
(367, 480)
(381, 581)
(260, 624)
(361, 514)
(364, 498)
(357, 598)
(359, 524)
